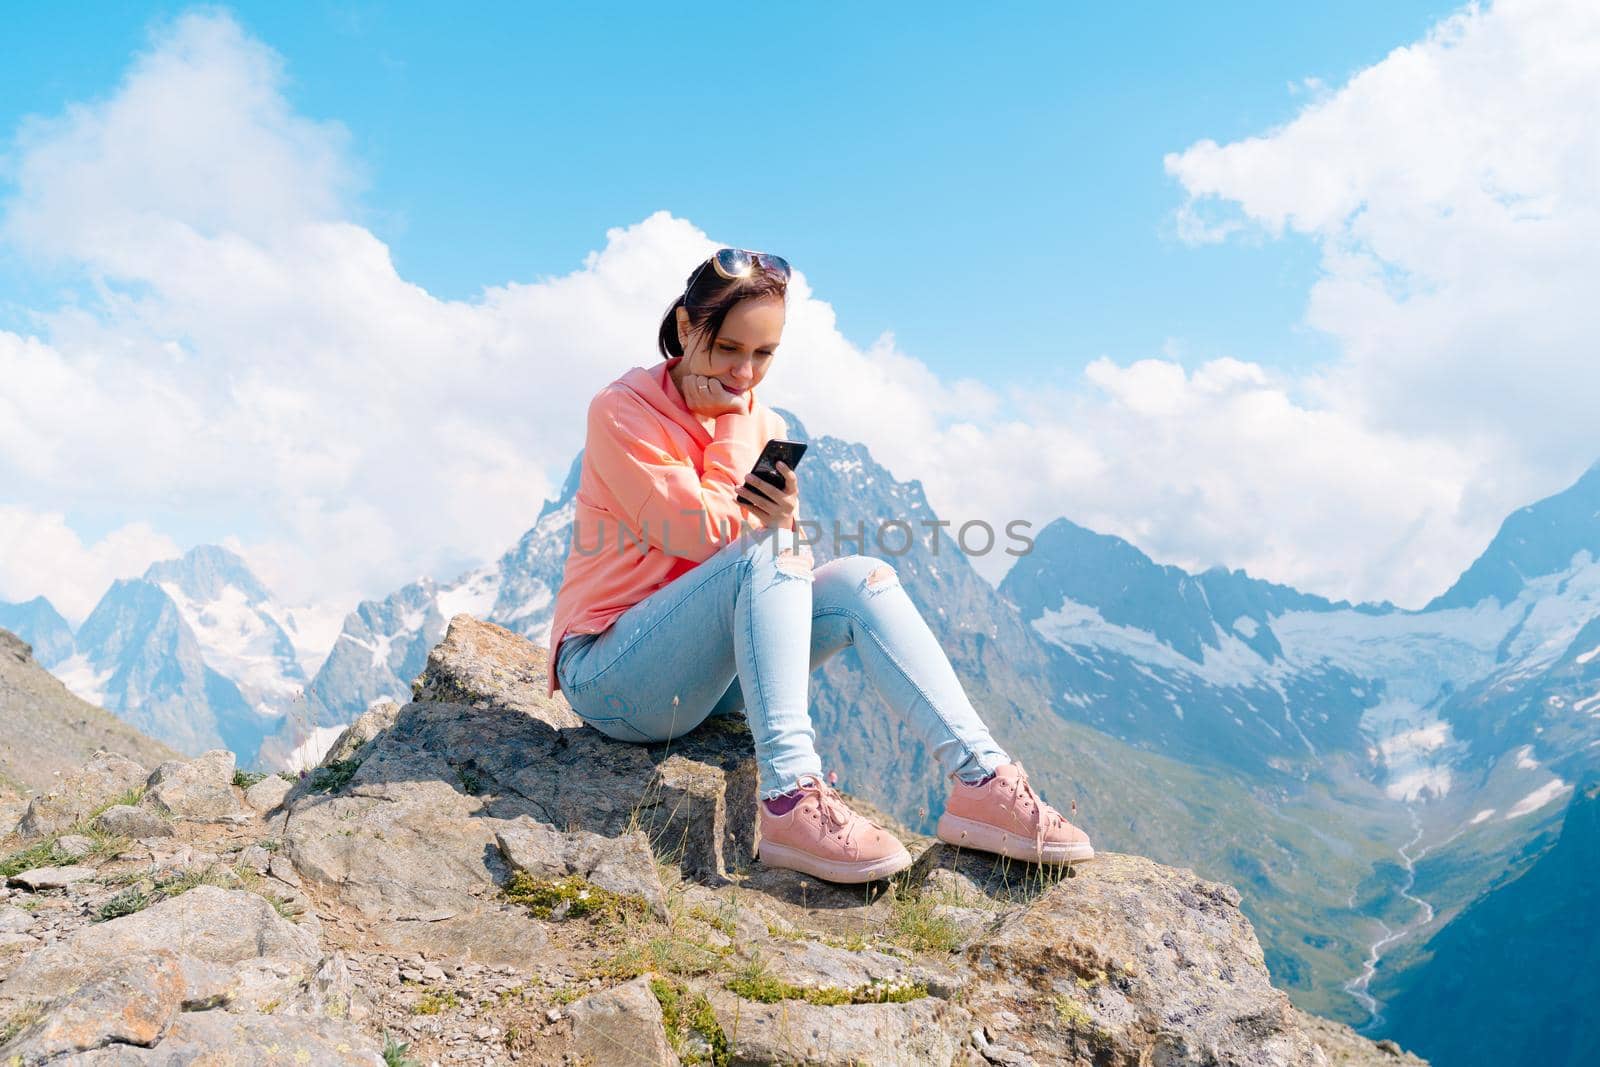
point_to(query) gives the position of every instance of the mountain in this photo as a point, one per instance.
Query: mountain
(46, 731)
(196, 652)
(39, 624)
(239, 625)
(1525, 957)
(1533, 542)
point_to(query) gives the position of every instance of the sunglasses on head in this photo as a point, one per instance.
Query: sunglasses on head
(734, 263)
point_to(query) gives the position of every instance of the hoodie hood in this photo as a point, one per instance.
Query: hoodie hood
(656, 387)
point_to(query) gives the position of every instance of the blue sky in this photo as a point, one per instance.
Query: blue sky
(986, 182)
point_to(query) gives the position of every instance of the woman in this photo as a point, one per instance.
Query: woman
(674, 608)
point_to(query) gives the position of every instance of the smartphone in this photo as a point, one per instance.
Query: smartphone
(766, 467)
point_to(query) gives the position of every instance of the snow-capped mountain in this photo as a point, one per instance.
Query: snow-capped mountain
(239, 626)
(196, 652)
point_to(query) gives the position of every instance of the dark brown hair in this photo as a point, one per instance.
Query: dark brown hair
(710, 299)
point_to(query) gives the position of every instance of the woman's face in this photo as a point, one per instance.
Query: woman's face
(744, 350)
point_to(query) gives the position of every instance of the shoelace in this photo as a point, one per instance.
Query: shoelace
(1049, 818)
(828, 799)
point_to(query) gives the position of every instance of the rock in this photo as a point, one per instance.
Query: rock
(129, 821)
(208, 924)
(1135, 962)
(413, 831)
(255, 858)
(51, 877)
(281, 869)
(623, 864)
(74, 846)
(104, 778)
(129, 1001)
(479, 663)
(704, 812)
(916, 1033)
(14, 920)
(268, 793)
(1346, 1048)
(378, 717)
(403, 845)
(11, 943)
(200, 790)
(259, 1040)
(621, 1024)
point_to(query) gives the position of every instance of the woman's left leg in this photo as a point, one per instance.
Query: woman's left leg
(858, 600)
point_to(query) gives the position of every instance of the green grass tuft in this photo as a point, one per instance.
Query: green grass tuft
(691, 1025)
(41, 854)
(394, 1053)
(570, 898)
(246, 779)
(435, 1001)
(335, 776)
(756, 983)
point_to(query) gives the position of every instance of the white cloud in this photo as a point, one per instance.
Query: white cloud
(247, 350)
(40, 555)
(1452, 190)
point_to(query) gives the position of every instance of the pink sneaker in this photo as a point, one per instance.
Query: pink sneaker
(1005, 815)
(821, 836)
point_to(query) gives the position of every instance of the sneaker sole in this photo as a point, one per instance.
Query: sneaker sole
(969, 833)
(848, 872)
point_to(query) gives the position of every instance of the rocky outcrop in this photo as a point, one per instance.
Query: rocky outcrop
(95, 785)
(482, 878)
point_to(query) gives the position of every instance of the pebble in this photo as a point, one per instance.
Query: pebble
(433, 973)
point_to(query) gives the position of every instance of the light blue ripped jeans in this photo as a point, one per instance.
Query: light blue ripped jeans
(745, 628)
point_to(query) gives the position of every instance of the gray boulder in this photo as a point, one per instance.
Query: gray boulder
(221, 1037)
(200, 790)
(130, 821)
(51, 877)
(622, 864)
(918, 1033)
(268, 793)
(1135, 962)
(621, 1025)
(206, 924)
(104, 778)
(410, 829)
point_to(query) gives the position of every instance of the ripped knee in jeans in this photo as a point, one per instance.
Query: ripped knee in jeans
(795, 563)
(882, 577)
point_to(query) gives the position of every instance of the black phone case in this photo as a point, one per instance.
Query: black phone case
(766, 465)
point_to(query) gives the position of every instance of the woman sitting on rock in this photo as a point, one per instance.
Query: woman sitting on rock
(672, 609)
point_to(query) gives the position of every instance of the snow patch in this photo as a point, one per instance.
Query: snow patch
(1245, 625)
(1480, 817)
(1538, 798)
(1525, 759)
(309, 752)
(473, 595)
(1589, 655)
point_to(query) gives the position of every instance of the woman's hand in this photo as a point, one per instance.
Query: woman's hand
(707, 398)
(776, 508)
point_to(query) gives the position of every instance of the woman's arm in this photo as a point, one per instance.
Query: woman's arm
(670, 505)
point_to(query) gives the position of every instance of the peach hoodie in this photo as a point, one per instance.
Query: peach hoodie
(647, 461)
